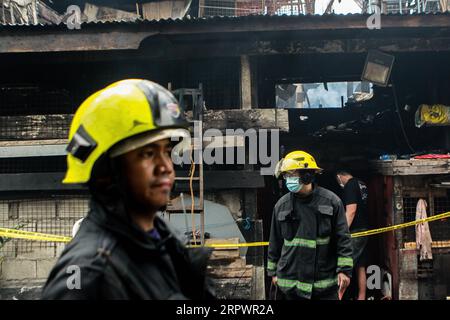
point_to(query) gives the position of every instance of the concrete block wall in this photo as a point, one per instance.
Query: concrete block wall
(33, 260)
(408, 286)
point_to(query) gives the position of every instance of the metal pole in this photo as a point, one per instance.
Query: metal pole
(201, 202)
(185, 214)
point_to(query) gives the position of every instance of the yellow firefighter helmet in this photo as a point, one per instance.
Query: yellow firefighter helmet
(296, 160)
(124, 116)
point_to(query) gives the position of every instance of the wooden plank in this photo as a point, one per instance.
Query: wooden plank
(80, 41)
(33, 142)
(224, 179)
(412, 167)
(221, 272)
(56, 126)
(246, 119)
(237, 263)
(214, 180)
(223, 142)
(33, 151)
(35, 127)
(50, 181)
(117, 36)
(225, 255)
(259, 289)
(434, 244)
(245, 83)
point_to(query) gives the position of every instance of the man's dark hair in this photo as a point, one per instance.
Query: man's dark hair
(343, 172)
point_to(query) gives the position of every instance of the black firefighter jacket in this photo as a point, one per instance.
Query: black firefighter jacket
(309, 244)
(114, 259)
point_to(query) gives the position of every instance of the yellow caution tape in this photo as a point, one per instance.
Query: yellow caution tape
(231, 245)
(354, 235)
(400, 226)
(20, 234)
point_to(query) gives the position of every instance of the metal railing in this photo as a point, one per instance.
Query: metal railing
(209, 8)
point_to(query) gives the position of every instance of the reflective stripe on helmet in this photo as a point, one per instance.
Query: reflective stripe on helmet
(81, 145)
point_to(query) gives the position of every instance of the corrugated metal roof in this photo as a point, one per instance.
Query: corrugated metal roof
(219, 19)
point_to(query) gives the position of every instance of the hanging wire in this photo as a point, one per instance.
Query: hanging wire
(191, 178)
(400, 119)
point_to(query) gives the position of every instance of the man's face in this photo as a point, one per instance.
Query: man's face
(148, 175)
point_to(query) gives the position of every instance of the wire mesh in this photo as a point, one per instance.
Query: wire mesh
(220, 80)
(439, 229)
(55, 214)
(409, 214)
(33, 113)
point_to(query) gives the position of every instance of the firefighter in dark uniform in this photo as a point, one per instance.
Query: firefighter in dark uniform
(310, 249)
(120, 148)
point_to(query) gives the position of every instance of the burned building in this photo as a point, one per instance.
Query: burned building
(297, 76)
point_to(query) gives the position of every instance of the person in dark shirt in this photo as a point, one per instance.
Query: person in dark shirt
(355, 200)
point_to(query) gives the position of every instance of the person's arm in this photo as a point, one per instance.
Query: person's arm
(275, 245)
(350, 212)
(351, 191)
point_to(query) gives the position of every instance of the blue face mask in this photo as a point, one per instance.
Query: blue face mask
(293, 184)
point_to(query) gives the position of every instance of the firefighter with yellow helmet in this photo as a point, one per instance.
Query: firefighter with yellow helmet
(120, 144)
(310, 250)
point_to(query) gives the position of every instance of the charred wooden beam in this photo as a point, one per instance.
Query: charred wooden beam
(246, 83)
(247, 119)
(116, 36)
(56, 126)
(35, 127)
(76, 41)
(412, 167)
(214, 180)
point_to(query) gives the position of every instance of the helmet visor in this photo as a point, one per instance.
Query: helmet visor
(141, 140)
(286, 165)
